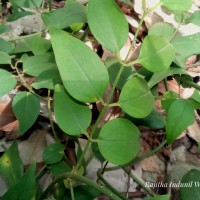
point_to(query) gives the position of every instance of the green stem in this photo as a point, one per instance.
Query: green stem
(50, 5)
(81, 179)
(41, 172)
(109, 186)
(72, 191)
(99, 118)
(50, 117)
(147, 189)
(135, 36)
(87, 30)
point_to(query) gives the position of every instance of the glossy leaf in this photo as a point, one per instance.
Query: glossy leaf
(180, 115)
(159, 197)
(5, 46)
(11, 166)
(25, 188)
(187, 45)
(53, 153)
(47, 79)
(162, 29)
(72, 13)
(26, 107)
(156, 53)
(108, 24)
(83, 73)
(191, 179)
(195, 18)
(119, 141)
(4, 58)
(35, 65)
(7, 82)
(182, 5)
(136, 98)
(73, 117)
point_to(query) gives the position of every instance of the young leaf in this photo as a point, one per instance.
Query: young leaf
(59, 168)
(47, 79)
(72, 13)
(136, 99)
(11, 166)
(35, 65)
(5, 46)
(53, 153)
(7, 82)
(156, 53)
(73, 117)
(180, 5)
(180, 115)
(4, 58)
(25, 188)
(187, 45)
(191, 179)
(108, 24)
(119, 141)
(195, 18)
(83, 74)
(26, 107)
(162, 29)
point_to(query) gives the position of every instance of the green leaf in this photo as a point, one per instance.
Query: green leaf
(72, 13)
(191, 179)
(156, 53)
(11, 166)
(26, 107)
(25, 189)
(194, 19)
(136, 98)
(53, 153)
(4, 58)
(155, 120)
(113, 66)
(162, 29)
(73, 117)
(47, 79)
(119, 141)
(36, 44)
(5, 46)
(83, 192)
(7, 82)
(59, 168)
(27, 3)
(17, 15)
(187, 45)
(4, 28)
(180, 115)
(169, 98)
(159, 197)
(159, 76)
(108, 24)
(35, 65)
(83, 74)
(182, 5)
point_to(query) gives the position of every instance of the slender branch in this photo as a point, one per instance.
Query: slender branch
(138, 181)
(87, 30)
(50, 117)
(72, 191)
(109, 186)
(81, 179)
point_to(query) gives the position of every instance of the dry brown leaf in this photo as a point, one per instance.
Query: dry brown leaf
(7, 117)
(194, 131)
